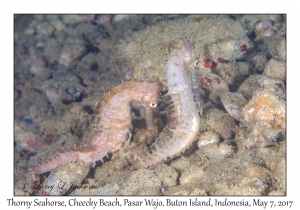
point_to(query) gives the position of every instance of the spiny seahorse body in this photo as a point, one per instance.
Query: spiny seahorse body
(185, 118)
(114, 121)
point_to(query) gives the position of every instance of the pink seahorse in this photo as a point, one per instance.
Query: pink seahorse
(114, 120)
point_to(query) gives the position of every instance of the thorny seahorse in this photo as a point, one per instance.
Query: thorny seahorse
(184, 123)
(114, 121)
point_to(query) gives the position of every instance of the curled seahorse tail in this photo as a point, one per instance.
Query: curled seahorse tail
(167, 150)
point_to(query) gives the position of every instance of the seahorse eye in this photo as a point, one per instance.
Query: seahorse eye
(153, 104)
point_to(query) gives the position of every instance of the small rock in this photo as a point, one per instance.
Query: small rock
(249, 22)
(30, 141)
(253, 171)
(233, 103)
(208, 137)
(87, 63)
(276, 47)
(180, 164)
(257, 82)
(58, 25)
(258, 60)
(230, 50)
(35, 113)
(217, 153)
(65, 176)
(45, 28)
(233, 73)
(52, 95)
(264, 133)
(167, 175)
(52, 51)
(44, 74)
(29, 31)
(37, 65)
(264, 29)
(193, 174)
(54, 126)
(275, 69)
(71, 53)
(265, 106)
(260, 184)
(92, 34)
(213, 85)
(142, 182)
(225, 149)
(221, 122)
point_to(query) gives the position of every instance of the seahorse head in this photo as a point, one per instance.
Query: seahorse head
(187, 53)
(149, 94)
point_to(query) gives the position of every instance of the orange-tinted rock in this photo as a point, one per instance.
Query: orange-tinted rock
(265, 106)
